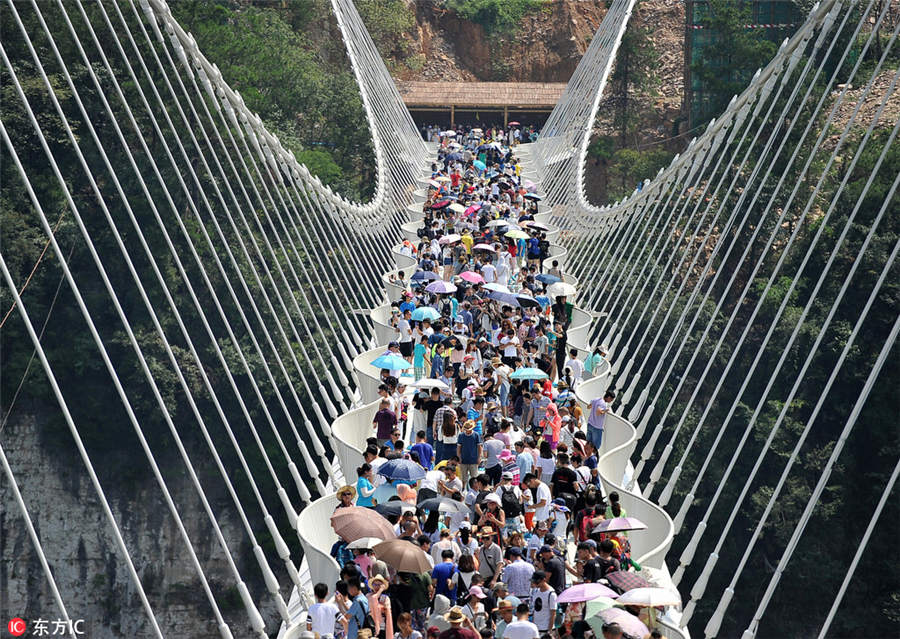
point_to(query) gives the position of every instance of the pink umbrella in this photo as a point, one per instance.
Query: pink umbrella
(586, 592)
(472, 276)
(630, 624)
(472, 209)
(529, 186)
(618, 524)
(483, 247)
(450, 239)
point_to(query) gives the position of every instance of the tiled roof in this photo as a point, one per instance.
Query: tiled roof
(481, 94)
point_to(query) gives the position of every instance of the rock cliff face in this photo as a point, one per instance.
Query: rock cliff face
(89, 570)
(546, 47)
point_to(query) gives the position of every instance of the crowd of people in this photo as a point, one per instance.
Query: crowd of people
(512, 134)
(504, 498)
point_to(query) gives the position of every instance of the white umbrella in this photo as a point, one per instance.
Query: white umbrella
(430, 383)
(457, 207)
(365, 542)
(449, 239)
(561, 289)
(649, 597)
(450, 134)
(501, 223)
(497, 288)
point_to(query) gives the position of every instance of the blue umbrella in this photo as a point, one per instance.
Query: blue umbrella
(533, 196)
(391, 362)
(526, 301)
(546, 278)
(478, 164)
(425, 312)
(427, 275)
(401, 469)
(528, 373)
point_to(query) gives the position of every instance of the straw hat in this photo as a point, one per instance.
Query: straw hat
(346, 489)
(455, 615)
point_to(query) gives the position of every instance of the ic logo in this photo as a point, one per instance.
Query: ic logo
(17, 627)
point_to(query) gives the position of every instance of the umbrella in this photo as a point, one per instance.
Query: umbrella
(395, 508)
(441, 286)
(533, 196)
(631, 625)
(450, 134)
(594, 606)
(516, 234)
(536, 225)
(403, 556)
(457, 208)
(498, 288)
(472, 276)
(513, 123)
(441, 204)
(478, 164)
(391, 362)
(529, 185)
(499, 223)
(546, 278)
(434, 184)
(454, 157)
(472, 209)
(625, 581)
(444, 505)
(423, 275)
(528, 373)
(504, 298)
(401, 469)
(426, 382)
(354, 522)
(561, 289)
(365, 542)
(442, 178)
(650, 597)
(526, 301)
(450, 239)
(425, 312)
(585, 592)
(618, 524)
(483, 247)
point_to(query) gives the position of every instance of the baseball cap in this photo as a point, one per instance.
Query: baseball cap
(506, 476)
(515, 551)
(545, 548)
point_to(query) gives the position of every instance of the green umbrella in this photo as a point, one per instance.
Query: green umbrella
(528, 373)
(595, 606)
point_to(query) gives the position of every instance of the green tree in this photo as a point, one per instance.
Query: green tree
(733, 53)
(633, 73)
(495, 16)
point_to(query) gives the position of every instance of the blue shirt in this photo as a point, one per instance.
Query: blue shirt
(468, 447)
(361, 483)
(439, 576)
(425, 453)
(407, 306)
(525, 462)
(475, 416)
(419, 356)
(358, 611)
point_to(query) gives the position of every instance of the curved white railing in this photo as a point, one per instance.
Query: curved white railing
(350, 432)
(317, 538)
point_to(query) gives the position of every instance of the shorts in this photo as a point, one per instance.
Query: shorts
(448, 261)
(406, 348)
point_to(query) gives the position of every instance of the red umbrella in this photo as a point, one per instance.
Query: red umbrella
(625, 581)
(513, 123)
(441, 204)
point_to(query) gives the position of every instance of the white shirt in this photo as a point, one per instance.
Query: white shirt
(548, 605)
(577, 367)
(431, 479)
(521, 630)
(403, 329)
(543, 494)
(509, 345)
(489, 273)
(323, 616)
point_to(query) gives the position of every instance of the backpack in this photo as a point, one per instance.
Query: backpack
(448, 426)
(584, 526)
(509, 503)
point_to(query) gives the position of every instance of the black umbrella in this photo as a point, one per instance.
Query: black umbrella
(425, 275)
(394, 508)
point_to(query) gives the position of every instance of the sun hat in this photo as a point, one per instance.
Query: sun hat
(346, 489)
(493, 498)
(456, 614)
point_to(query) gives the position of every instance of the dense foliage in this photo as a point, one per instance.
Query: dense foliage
(751, 393)
(496, 16)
